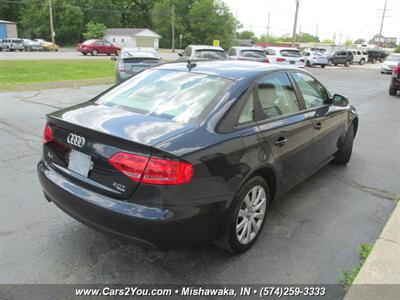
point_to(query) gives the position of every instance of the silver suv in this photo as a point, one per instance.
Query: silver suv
(12, 44)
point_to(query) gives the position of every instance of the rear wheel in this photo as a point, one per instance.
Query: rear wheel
(392, 91)
(343, 156)
(246, 216)
(308, 63)
(84, 53)
(362, 61)
(347, 63)
(373, 60)
(323, 66)
(335, 64)
(94, 52)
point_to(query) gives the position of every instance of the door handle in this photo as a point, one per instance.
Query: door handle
(318, 126)
(281, 141)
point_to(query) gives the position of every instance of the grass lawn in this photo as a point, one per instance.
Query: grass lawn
(19, 72)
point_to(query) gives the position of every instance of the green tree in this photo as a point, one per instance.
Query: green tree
(135, 13)
(359, 41)
(246, 35)
(348, 42)
(94, 30)
(327, 41)
(397, 50)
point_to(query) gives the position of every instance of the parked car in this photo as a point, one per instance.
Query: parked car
(133, 60)
(359, 56)
(313, 58)
(390, 63)
(247, 53)
(202, 52)
(30, 45)
(375, 55)
(395, 82)
(47, 46)
(95, 47)
(344, 57)
(12, 44)
(186, 153)
(285, 56)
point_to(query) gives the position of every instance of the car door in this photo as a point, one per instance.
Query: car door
(286, 128)
(328, 120)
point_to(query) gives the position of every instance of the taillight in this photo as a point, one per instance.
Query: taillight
(152, 170)
(280, 59)
(396, 71)
(120, 66)
(266, 60)
(301, 59)
(47, 134)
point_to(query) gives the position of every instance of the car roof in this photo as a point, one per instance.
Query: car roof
(231, 69)
(282, 48)
(248, 48)
(205, 47)
(140, 52)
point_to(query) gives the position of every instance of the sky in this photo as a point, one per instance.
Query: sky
(354, 18)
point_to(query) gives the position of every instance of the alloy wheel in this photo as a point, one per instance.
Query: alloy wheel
(251, 214)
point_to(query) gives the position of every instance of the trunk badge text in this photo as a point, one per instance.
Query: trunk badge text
(76, 140)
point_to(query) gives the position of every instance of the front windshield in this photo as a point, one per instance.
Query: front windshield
(175, 95)
(253, 53)
(210, 54)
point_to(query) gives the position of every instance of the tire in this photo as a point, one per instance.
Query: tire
(347, 63)
(392, 91)
(373, 60)
(335, 64)
(84, 53)
(94, 52)
(330, 62)
(343, 156)
(362, 61)
(308, 63)
(230, 239)
(323, 66)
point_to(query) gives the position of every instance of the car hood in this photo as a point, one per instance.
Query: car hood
(144, 129)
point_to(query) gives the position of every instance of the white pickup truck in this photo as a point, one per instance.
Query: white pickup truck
(359, 56)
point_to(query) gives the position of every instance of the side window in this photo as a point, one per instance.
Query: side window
(246, 115)
(314, 93)
(277, 96)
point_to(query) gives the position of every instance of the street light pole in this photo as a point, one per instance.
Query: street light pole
(295, 22)
(173, 28)
(51, 22)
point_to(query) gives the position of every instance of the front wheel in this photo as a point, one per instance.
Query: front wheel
(343, 156)
(362, 61)
(347, 63)
(94, 52)
(392, 91)
(246, 216)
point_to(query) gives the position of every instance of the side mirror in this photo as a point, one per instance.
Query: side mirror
(180, 53)
(114, 58)
(339, 100)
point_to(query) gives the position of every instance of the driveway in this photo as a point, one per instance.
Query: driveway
(312, 233)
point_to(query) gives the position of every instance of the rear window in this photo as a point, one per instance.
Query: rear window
(88, 42)
(179, 96)
(393, 58)
(290, 53)
(210, 54)
(252, 53)
(17, 41)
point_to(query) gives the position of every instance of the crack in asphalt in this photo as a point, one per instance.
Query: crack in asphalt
(27, 99)
(365, 188)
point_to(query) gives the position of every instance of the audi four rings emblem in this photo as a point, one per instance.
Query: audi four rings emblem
(76, 140)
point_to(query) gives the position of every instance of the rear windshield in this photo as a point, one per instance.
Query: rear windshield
(252, 53)
(210, 54)
(88, 42)
(179, 96)
(140, 59)
(290, 53)
(393, 58)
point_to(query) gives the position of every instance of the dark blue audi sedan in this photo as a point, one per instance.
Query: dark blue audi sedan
(186, 153)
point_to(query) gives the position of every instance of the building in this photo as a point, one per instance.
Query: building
(132, 37)
(8, 29)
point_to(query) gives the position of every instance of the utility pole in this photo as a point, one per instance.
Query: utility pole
(340, 39)
(268, 28)
(316, 36)
(295, 22)
(300, 35)
(380, 30)
(173, 28)
(51, 22)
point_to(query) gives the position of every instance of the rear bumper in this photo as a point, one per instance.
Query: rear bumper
(395, 83)
(147, 227)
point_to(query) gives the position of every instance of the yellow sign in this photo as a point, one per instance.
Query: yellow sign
(216, 43)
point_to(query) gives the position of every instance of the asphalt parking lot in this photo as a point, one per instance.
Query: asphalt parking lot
(311, 235)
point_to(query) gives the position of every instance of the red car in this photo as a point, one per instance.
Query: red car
(95, 47)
